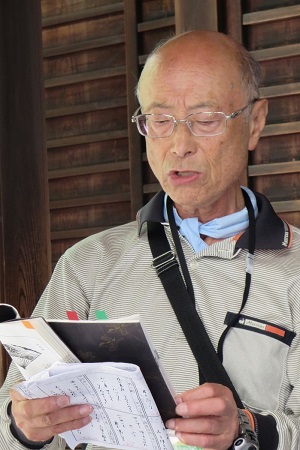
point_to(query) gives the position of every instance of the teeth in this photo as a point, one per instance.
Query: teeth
(184, 174)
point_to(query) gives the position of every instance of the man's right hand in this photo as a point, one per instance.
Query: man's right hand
(41, 419)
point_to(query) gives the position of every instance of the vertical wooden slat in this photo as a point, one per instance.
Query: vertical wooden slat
(25, 246)
(196, 15)
(234, 19)
(271, 33)
(132, 75)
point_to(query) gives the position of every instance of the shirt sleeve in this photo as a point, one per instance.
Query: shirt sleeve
(64, 292)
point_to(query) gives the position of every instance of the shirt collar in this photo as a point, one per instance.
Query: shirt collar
(271, 231)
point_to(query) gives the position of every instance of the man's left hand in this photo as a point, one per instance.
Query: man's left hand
(209, 417)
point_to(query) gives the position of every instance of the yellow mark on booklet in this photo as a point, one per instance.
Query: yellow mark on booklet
(27, 324)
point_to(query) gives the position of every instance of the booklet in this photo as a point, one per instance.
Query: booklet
(34, 344)
(124, 415)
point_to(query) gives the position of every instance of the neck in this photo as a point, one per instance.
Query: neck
(218, 209)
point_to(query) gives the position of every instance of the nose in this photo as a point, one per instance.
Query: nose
(183, 142)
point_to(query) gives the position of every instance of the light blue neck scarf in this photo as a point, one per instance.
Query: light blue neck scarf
(220, 228)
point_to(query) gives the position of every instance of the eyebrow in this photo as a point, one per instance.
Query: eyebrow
(155, 105)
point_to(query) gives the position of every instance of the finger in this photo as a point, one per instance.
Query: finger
(206, 390)
(43, 434)
(203, 425)
(35, 407)
(65, 415)
(44, 426)
(216, 406)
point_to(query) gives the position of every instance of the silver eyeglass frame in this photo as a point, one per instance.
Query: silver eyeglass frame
(233, 115)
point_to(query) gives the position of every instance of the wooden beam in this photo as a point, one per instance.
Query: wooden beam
(234, 19)
(271, 15)
(88, 170)
(281, 90)
(274, 168)
(132, 75)
(280, 129)
(284, 51)
(85, 76)
(286, 206)
(196, 15)
(86, 107)
(87, 138)
(156, 24)
(82, 14)
(83, 46)
(91, 200)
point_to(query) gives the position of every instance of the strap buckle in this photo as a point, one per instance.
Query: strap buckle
(164, 262)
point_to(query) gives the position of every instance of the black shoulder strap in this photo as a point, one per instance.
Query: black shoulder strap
(166, 266)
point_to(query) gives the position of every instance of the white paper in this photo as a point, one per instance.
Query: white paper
(125, 415)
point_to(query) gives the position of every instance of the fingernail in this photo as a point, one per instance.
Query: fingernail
(170, 424)
(86, 420)
(178, 400)
(62, 401)
(85, 410)
(181, 409)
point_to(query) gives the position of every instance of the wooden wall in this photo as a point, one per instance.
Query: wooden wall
(273, 36)
(93, 52)
(96, 170)
(24, 210)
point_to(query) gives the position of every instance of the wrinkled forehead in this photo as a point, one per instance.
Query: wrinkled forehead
(191, 72)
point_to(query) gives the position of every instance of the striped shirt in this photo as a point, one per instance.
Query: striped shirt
(112, 271)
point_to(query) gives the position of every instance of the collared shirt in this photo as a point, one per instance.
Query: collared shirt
(220, 228)
(112, 271)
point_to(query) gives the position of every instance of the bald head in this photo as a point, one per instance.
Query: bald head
(209, 49)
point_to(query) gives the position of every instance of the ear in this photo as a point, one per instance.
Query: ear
(257, 122)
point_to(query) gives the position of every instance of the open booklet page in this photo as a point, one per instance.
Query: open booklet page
(125, 415)
(35, 344)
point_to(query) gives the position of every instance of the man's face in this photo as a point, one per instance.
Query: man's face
(200, 174)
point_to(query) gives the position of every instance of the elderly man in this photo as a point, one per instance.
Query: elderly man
(200, 113)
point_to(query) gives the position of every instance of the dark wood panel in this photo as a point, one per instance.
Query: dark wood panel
(110, 119)
(277, 149)
(281, 187)
(98, 215)
(150, 10)
(85, 107)
(272, 31)
(87, 138)
(87, 156)
(132, 74)
(97, 90)
(24, 207)
(61, 13)
(252, 6)
(84, 76)
(89, 60)
(105, 183)
(86, 111)
(83, 45)
(282, 71)
(87, 170)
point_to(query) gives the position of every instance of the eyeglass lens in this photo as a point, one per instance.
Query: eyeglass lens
(200, 124)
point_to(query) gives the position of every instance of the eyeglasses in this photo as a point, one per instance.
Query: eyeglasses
(200, 124)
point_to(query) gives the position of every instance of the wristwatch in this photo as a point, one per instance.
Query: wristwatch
(247, 439)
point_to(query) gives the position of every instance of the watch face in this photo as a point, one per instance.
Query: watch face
(241, 444)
